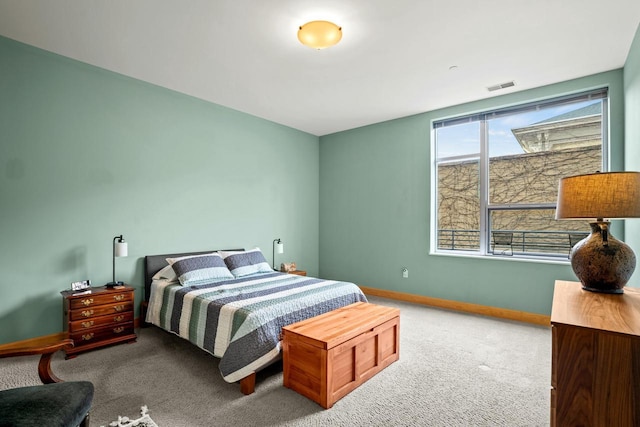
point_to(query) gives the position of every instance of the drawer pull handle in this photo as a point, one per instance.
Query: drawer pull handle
(118, 329)
(87, 337)
(87, 324)
(119, 297)
(87, 301)
(118, 307)
(87, 313)
(118, 318)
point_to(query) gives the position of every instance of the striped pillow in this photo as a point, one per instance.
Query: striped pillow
(247, 262)
(198, 269)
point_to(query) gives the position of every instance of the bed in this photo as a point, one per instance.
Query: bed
(237, 318)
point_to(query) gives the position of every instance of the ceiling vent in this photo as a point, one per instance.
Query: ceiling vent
(501, 86)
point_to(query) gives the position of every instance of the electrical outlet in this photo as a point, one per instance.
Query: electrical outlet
(405, 272)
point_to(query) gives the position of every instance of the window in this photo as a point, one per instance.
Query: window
(497, 175)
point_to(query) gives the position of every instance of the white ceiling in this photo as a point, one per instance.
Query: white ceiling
(393, 60)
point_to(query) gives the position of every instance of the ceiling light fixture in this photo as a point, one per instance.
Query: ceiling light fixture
(319, 34)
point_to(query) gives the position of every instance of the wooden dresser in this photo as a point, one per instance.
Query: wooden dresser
(595, 366)
(102, 317)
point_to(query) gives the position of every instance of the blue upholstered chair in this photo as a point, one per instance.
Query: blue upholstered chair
(55, 403)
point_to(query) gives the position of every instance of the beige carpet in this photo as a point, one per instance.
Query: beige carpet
(454, 370)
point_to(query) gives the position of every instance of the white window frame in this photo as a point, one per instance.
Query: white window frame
(485, 206)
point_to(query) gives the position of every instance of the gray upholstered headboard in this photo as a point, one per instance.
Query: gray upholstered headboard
(154, 263)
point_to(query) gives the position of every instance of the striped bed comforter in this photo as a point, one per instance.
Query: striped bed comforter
(240, 320)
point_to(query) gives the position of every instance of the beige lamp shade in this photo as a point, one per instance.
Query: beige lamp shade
(599, 195)
(319, 34)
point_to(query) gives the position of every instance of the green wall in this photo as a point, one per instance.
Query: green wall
(87, 154)
(375, 210)
(632, 138)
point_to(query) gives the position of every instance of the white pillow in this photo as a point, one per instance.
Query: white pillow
(167, 274)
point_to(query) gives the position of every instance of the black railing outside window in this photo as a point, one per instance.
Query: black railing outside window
(545, 243)
(459, 240)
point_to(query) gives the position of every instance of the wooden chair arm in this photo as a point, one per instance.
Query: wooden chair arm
(46, 348)
(36, 348)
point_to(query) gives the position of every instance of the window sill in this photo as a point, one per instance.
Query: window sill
(516, 258)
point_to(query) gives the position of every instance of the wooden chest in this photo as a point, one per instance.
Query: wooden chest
(102, 317)
(328, 356)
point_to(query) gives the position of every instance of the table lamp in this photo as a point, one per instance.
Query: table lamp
(278, 248)
(120, 249)
(601, 262)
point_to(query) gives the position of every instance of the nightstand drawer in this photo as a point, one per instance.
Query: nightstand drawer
(100, 334)
(100, 310)
(90, 300)
(95, 322)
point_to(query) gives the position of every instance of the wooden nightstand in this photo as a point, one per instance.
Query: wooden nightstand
(298, 272)
(97, 319)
